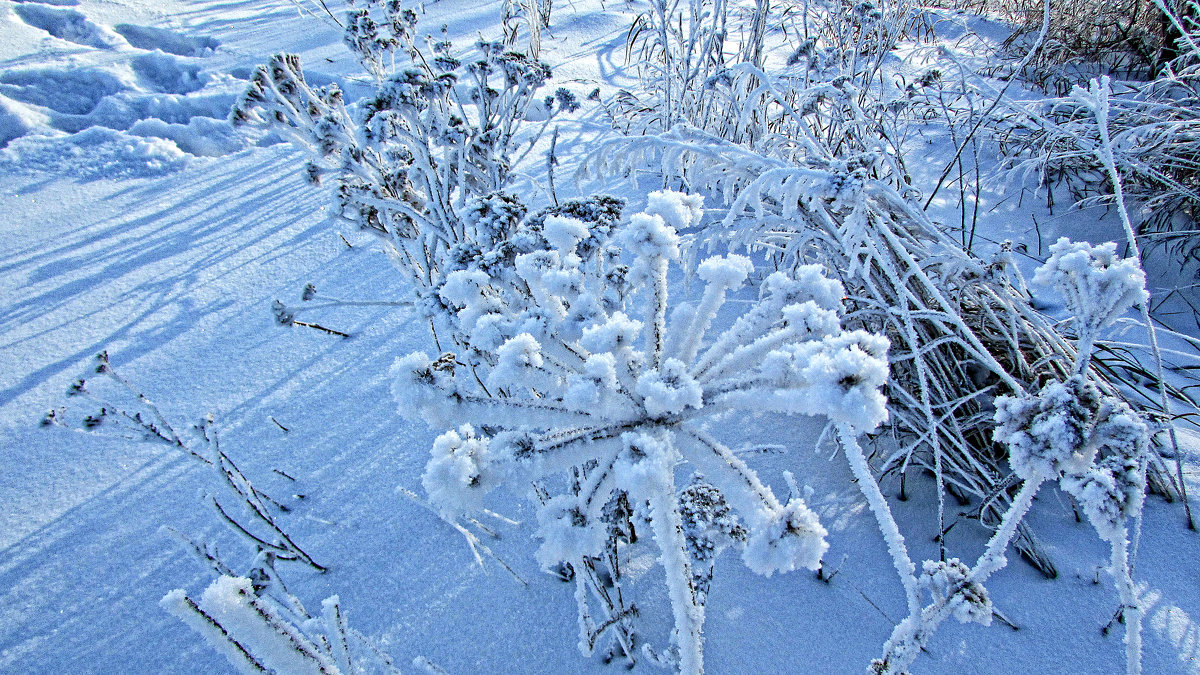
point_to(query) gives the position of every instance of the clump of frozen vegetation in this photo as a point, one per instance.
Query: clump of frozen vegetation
(1092, 444)
(598, 397)
(440, 131)
(1098, 288)
(1151, 123)
(806, 158)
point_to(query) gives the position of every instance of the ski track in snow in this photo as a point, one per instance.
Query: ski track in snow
(137, 221)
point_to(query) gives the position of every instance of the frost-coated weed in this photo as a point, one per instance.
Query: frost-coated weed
(599, 402)
(562, 363)
(438, 132)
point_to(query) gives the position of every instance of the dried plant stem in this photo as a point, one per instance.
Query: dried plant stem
(1105, 154)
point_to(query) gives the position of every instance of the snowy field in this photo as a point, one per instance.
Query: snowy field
(138, 220)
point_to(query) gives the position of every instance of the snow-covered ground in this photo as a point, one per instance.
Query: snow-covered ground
(137, 220)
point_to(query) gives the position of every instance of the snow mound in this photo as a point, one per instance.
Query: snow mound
(66, 24)
(93, 153)
(16, 120)
(123, 110)
(167, 74)
(162, 39)
(75, 91)
(201, 136)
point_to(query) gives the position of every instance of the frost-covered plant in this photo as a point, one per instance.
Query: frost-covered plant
(267, 630)
(603, 396)
(121, 409)
(1093, 133)
(960, 331)
(438, 131)
(1094, 446)
(257, 634)
(375, 30)
(709, 527)
(1097, 285)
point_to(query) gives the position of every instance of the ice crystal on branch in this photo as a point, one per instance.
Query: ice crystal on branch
(579, 388)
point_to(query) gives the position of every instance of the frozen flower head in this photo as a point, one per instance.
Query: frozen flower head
(725, 272)
(459, 472)
(418, 386)
(650, 240)
(517, 362)
(789, 538)
(948, 580)
(1064, 427)
(1111, 490)
(1097, 285)
(848, 375)
(470, 293)
(1094, 445)
(678, 210)
(839, 376)
(1047, 433)
(669, 389)
(591, 387)
(1105, 498)
(645, 464)
(615, 333)
(563, 233)
(807, 282)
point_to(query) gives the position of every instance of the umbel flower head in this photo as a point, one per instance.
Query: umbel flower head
(1097, 285)
(1093, 444)
(604, 386)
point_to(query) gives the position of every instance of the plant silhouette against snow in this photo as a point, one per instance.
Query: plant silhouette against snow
(613, 398)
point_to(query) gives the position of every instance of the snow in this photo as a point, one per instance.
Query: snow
(138, 220)
(566, 532)
(66, 24)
